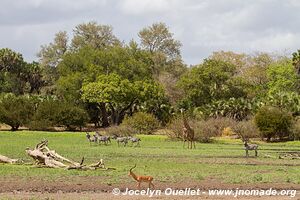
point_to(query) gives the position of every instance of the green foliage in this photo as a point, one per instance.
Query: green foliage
(282, 76)
(142, 123)
(121, 94)
(94, 35)
(296, 130)
(17, 76)
(254, 74)
(10, 61)
(273, 122)
(110, 89)
(289, 101)
(71, 116)
(237, 109)
(11, 71)
(15, 111)
(87, 64)
(296, 61)
(52, 113)
(209, 82)
(157, 38)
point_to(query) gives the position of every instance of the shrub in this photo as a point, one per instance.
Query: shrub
(52, 113)
(71, 116)
(121, 130)
(142, 122)
(273, 122)
(296, 130)
(228, 131)
(15, 111)
(175, 126)
(216, 126)
(204, 129)
(246, 129)
(45, 115)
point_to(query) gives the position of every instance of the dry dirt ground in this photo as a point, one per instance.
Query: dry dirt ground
(87, 188)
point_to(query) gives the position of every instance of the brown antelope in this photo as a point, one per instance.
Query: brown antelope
(139, 179)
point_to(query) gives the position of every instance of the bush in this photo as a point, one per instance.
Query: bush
(142, 123)
(45, 115)
(204, 129)
(246, 129)
(228, 131)
(71, 116)
(15, 111)
(121, 130)
(296, 130)
(216, 126)
(52, 113)
(175, 126)
(273, 122)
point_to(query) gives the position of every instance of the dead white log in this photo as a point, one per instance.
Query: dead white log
(4, 159)
(46, 157)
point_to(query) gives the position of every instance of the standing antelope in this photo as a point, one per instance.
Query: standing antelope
(139, 179)
(250, 147)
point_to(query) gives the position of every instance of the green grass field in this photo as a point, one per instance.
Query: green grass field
(164, 159)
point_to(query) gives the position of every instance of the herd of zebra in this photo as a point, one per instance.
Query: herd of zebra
(97, 138)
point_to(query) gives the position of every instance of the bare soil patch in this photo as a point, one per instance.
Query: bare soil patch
(92, 188)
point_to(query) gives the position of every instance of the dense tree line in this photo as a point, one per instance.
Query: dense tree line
(98, 77)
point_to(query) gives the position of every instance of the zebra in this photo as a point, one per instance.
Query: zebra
(135, 140)
(91, 138)
(123, 140)
(104, 139)
(250, 147)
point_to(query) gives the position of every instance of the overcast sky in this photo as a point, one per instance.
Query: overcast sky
(203, 26)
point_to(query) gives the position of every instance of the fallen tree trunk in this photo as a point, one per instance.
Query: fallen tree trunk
(291, 155)
(4, 159)
(45, 157)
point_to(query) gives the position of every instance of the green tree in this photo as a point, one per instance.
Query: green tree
(273, 122)
(296, 61)
(164, 49)
(49, 57)
(13, 72)
(34, 77)
(254, 74)
(158, 38)
(282, 77)
(95, 35)
(141, 123)
(51, 112)
(210, 81)
(120, 95)
(235, 108)
(129, 62)
(15, 111)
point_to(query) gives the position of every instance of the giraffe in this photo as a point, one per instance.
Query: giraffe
(188, 133)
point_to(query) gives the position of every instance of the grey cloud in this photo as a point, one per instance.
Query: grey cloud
(202, 26)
